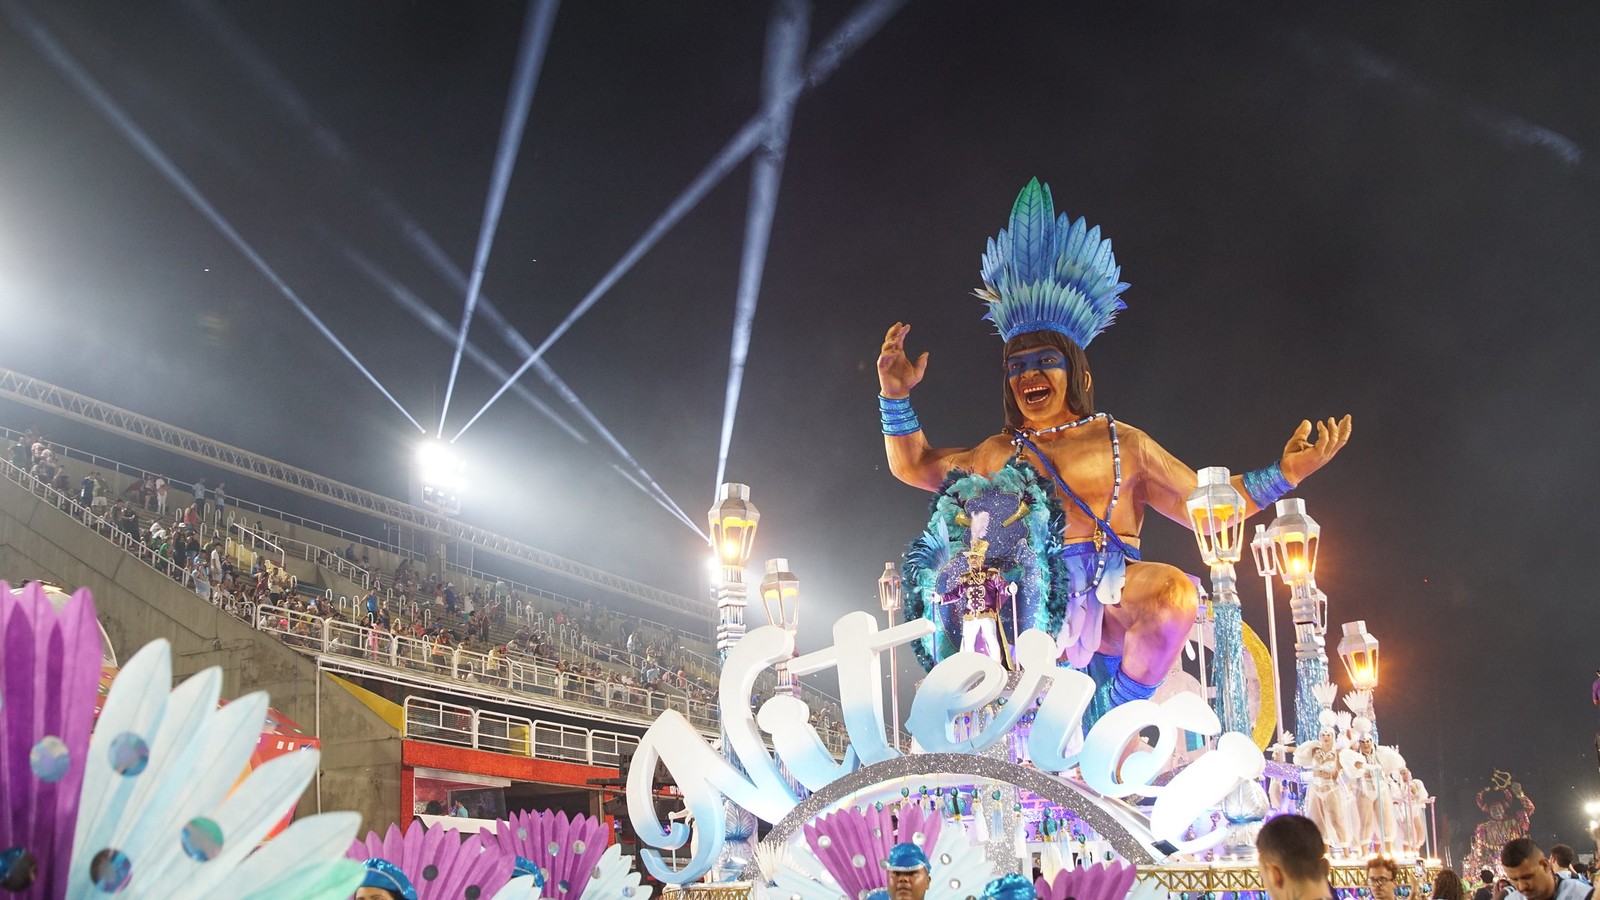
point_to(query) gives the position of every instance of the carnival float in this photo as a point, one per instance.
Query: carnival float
(1086, 714)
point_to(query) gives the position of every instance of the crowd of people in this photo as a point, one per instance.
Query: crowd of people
(480, 632)
(1293, 863)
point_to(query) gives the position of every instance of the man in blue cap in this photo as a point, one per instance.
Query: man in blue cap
(909, 874)
(1010, 886)
(385, 881)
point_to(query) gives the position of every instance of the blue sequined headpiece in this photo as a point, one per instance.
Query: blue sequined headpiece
(907, 858)
(526, 866)
(1044, 273)
(386, 875)
(1010, 886)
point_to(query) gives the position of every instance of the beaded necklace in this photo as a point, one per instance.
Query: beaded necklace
(1022, 438)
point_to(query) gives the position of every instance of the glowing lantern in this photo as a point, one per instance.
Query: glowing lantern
(733, 529)
(889, 588)
(1216, 512)
(1294, 543)
(780, 594)
(1359, 650)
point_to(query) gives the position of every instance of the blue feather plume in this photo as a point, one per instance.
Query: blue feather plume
(1044, 273)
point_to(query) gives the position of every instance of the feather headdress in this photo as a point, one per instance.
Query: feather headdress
(1045, 273)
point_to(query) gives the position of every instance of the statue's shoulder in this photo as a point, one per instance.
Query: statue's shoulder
(990, 454)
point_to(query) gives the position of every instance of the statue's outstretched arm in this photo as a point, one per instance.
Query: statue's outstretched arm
(911, 458)
(1165, 482)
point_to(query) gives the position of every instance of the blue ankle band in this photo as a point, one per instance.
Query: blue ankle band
(1124, 689)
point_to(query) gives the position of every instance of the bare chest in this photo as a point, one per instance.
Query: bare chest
(1083, 458)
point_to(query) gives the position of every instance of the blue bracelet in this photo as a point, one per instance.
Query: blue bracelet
(1265, 486)
(897, 416)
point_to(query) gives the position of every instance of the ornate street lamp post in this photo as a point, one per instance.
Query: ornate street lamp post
(1216, 512)
(733, 532)
(780, 596)
(1359, 651)
(890, 597)
(1261, 552)
(1295, 537)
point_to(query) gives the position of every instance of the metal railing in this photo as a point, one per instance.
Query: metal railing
(314, 634)
(331, 559)
(438, 722)
(80, 407)
(97, 523)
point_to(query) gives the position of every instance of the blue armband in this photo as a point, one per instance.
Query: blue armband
(898, 417)
(1265, 486)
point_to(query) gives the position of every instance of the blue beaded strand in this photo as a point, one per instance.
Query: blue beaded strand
(1023, 438)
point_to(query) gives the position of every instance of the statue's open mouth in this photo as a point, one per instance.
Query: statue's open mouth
(1033, 395)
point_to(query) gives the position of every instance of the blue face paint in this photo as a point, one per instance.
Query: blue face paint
(1035, 360)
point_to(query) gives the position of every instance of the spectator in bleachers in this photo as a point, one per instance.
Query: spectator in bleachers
(219, 499)
(161, 494)
(200, 497)
(202, 577)
(128, 521)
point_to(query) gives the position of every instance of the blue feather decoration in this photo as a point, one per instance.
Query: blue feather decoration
(1044, 273)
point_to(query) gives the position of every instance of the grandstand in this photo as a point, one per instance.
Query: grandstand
(427, 681)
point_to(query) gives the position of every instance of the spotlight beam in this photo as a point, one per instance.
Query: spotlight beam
(678, 513)
(329, 145)
(780, 86)
(862, 23)
(437, 324)
(441, 328)
(530, 59)
(52, 50)
(441, 263)
(557, 384)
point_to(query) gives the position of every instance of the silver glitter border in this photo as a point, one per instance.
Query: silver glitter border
(1114, 827)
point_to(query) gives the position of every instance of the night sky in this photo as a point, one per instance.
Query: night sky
(1381, 209)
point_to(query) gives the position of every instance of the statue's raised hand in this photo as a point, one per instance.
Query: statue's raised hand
(897, 374)
(1301, 456)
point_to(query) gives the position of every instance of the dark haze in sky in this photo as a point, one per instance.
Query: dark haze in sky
(1375, 208)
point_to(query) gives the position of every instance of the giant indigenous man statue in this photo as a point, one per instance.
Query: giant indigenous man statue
(1074, 483)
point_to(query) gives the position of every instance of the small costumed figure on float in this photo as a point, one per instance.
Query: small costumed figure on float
(1411, 802)
(1325, 798)
(1052, 285)
(981, 592)
(1374, 824)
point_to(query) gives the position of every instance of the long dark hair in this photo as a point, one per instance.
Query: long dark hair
(1447, 885)
(1080, 393)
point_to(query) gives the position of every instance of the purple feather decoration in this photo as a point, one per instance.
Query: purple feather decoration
(49, 670)
(579, 843)
(853, 843)
(1101, 881)
(439, 862)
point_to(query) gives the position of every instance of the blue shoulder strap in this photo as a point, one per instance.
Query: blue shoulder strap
(1105, 527)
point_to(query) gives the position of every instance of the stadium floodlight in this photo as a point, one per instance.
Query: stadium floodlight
(442, 475)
